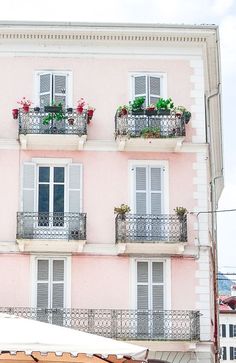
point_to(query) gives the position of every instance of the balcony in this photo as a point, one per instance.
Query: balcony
(67, 134)
(162, 325)
(51, 232)
(149, 133)
(165, 233)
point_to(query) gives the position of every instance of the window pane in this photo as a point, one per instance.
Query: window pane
(58, 199)
(43, 198)
(44, 174)
(58, 175)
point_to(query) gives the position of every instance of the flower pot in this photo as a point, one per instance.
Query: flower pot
(36, 109)
(15, 113)
(25, 108)
(53, 109)
(151, 112)
(163, 112)
(90, 115)
(71, 121)
(178, 114)
(79, 109)
(69, 109)
(137, 112)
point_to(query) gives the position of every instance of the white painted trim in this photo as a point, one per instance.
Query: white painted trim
(167, 280)
(52, 161)
(156, 163)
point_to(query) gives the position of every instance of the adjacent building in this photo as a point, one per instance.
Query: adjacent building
(147, 276)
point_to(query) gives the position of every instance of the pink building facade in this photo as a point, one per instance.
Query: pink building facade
(148, 276)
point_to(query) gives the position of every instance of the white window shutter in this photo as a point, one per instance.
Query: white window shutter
(140, 87)
(29, 173)
(154, 89)
(157, 286)
(58, 284)
(60, 89)
(142, 286)
(75, 171)
(45, 89)
(42, 283)
(156, 190)
(140, 190)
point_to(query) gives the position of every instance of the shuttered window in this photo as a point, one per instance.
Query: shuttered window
(223, 330)
(224, 353)
(148, 189)
(150, 285)
(148, 86)
(53, 87)
(232, 353)
(50, 283)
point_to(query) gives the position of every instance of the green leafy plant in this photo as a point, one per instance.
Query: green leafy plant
(151, 132)
(137, 104)
(57, 116)
(123, 110)
(124, 208)
(182, 111)
(180, 211)
(163, 104)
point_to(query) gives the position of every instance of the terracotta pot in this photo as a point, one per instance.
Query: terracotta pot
(15, 113)
(90, 113)
(26, 108)
(71, 121)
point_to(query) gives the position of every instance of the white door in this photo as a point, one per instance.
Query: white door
(148, 202)
(50, 289)
(150, 299)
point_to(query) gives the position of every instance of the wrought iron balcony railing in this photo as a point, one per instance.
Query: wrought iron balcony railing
(70, 226)
(33, 122)
(121, 324)
(151, 228)
(155, 126)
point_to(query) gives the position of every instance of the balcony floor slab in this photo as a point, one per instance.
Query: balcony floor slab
(63, 246)
(52, 142)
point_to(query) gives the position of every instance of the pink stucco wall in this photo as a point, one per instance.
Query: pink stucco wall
(15, 280)
(100, 282)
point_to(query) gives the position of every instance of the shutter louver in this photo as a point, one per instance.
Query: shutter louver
(142, 285)
(156, 190)
(43, 284)
(58, 284)
(141, 190)
(157, 272)
(74, 188)
(45, 89)
(224, 351)
(231, 330)
(154, 89)
(28, 187)
(223, 330)
(231, 353)
(60, 89)
(157, 287)
(140, 87)
(142, 272)
(142, 297)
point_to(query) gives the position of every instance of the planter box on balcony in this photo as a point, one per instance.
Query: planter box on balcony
(138, 112)
(53, 109)
(151, 112)
(163, 112)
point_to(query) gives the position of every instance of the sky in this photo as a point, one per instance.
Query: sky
(219, 12)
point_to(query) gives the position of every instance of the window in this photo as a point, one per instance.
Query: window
(50, 289)
(223, 330)
(232, 351)
(53, 86)
(150, 299)
(51, 194)
(224, 353)
(150, 86)
(232, 330)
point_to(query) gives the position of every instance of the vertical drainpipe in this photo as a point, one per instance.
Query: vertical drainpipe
(215, 93)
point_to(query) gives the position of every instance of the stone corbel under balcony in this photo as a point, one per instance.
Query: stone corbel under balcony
(126, 143)
(52, 246)
(52, 142)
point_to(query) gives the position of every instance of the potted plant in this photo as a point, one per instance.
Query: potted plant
(164, 106)
(54, 108)
(151, 110)
(36, 109)
(25, 104)
(180, 212)
(181, 111)
(71, 121)
(90, 112)
(80, 106)
(137, 106)
(150, 132)
(56, 114)
(122, 111)
(122, 210)
(15, 113)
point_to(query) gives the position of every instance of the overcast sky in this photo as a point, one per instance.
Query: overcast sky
(220, 12)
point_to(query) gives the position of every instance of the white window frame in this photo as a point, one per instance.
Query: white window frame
(64, 162)
(69, 85)
(67, 279)
(163, 82)
(167, 280)
(153, 163)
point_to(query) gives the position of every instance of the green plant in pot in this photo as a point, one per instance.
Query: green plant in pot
(57, 116)
(137, 106)
(151, 132)
(123, 110)
(180, 212)
(164, 106)
(122, 210)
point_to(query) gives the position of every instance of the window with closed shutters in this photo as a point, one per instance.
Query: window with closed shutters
(53, 87)
(147, 86)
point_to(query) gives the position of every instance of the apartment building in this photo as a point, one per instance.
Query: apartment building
(148, 275)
